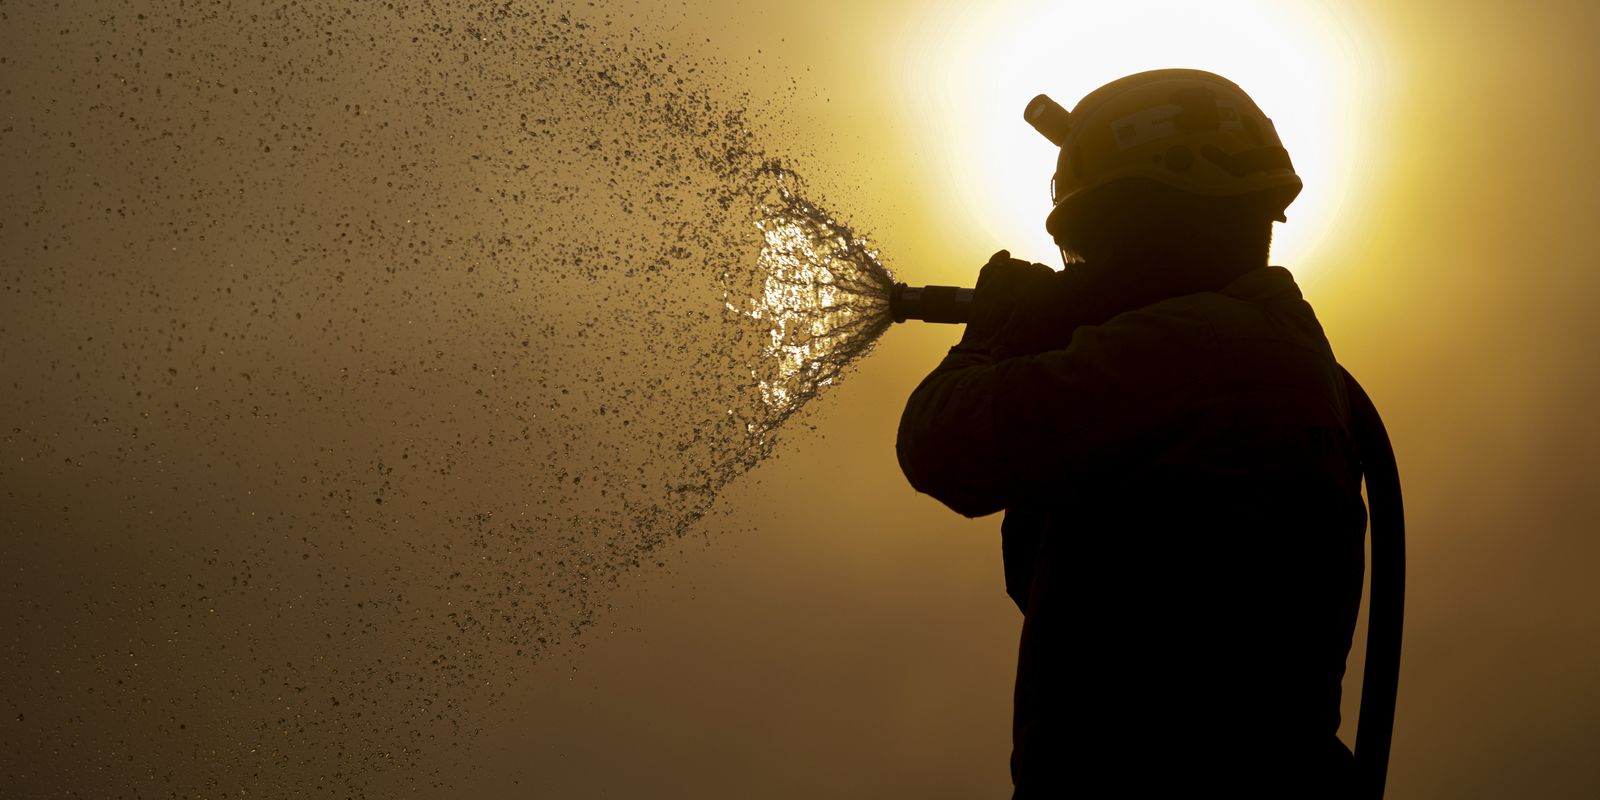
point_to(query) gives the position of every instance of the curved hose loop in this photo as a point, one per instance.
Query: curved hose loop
(1386, 607)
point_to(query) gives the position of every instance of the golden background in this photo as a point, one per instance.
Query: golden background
(824, 632)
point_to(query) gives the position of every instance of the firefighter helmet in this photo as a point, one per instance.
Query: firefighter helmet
(1188, 129)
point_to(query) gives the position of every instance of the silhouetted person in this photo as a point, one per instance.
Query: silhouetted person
(1168, 433)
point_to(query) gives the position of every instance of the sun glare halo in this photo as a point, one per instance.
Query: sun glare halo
(965, 72)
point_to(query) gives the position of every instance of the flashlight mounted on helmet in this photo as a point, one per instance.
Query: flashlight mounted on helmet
(1048, 118)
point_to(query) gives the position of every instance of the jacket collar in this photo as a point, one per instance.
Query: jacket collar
(1267, 284)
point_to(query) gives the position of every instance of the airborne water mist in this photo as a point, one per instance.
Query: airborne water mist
(823, 295)
(356, 355)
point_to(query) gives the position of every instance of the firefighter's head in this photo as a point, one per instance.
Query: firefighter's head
(1172, 158)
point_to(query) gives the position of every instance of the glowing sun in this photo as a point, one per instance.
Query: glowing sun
(966, 71)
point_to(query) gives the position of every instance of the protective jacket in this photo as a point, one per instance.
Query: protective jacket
(1183, 534)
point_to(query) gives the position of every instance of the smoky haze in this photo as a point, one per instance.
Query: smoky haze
(375, 420)
(356, 356)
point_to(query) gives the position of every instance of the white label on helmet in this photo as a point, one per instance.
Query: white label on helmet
(1153, 124)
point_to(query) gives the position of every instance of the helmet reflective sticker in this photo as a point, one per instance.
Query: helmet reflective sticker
(1191, 130)
(1160, 122)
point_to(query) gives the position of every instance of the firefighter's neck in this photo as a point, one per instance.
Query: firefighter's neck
(1135, 273)
(1184, 271)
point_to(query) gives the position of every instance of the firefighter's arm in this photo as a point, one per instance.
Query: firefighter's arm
(956, 398)
(983, 433)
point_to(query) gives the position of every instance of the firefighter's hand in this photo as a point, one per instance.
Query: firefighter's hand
(1011, 307)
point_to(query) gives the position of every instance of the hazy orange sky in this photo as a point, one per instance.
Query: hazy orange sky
(823, 631)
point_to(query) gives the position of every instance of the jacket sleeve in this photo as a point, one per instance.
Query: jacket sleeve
(982, 434)
(947, 435)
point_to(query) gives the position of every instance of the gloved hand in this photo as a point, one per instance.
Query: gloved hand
(1014, 308)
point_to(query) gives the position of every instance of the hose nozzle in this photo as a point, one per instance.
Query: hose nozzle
(951, 304)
